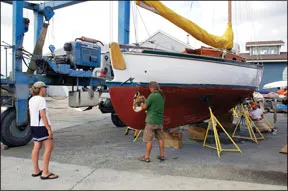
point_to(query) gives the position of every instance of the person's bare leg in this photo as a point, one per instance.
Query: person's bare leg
(148, 149)
(161, 147)
(35, 156)
(48, 144)
(267, 128)
(263, 127)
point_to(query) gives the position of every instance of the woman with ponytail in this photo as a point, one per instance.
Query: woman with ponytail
(41, 130)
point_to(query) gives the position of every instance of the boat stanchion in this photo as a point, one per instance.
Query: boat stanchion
(214, 122)
(246, 119)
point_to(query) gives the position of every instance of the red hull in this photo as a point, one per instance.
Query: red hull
(182, 106)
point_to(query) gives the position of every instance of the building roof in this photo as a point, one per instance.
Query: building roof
(265, 58)
(263, 43)
(162, 40)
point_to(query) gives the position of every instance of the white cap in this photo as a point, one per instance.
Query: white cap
(39, 84)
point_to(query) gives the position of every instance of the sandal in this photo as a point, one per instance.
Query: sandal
(144, 159)
(49, 177)
(35, 175)
(161, 158)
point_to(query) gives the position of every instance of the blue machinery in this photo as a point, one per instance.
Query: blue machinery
(78, 67)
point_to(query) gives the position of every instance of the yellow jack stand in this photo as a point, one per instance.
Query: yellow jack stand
(245, 115)
(136, 133)
(213, 121)
(267, 121)
(234, 110)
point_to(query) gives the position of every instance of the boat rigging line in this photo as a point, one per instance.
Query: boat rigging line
(143, 22)
(252, 20)
(191, 5)
(111, 21)
(134, 13)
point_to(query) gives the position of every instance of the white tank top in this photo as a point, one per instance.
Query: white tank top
(256, 113)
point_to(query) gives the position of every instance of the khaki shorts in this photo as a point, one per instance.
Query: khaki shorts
(262, 126)
(152, 130)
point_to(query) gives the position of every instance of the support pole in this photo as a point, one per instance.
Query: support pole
(18, 34)
(21, 82)
(123, 22)
(229, 11)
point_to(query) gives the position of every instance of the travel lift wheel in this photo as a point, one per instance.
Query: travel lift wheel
(11, 134)
(116, 121)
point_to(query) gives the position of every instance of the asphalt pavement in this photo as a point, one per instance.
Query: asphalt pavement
(91, 153)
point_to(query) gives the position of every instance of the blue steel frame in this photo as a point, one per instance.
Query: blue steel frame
(19, 78)
(123, 22)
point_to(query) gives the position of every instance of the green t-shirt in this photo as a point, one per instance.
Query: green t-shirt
(155, 110)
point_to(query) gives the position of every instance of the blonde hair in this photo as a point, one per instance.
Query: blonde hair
(35, 91)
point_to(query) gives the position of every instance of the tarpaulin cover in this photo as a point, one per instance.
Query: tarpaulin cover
(223, 42)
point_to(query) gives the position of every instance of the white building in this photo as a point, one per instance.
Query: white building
(164, 41)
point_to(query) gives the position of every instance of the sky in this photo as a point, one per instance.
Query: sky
(251, 20)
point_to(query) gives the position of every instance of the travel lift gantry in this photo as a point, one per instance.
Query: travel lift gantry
(82, 65)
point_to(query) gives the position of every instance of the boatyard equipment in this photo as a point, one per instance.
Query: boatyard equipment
(136, 132)
(81, 65)
(235, 112)
(246, 119)
(214, 122)
(284, 150)
(267, 121)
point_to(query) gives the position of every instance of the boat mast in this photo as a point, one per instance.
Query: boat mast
(229, 11)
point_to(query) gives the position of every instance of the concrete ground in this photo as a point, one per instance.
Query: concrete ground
(91, 153)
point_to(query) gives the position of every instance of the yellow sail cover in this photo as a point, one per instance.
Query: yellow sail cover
(224, 42)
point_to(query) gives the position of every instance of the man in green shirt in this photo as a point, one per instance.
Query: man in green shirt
(154, 121)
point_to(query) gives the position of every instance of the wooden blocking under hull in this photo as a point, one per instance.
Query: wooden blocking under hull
(173, 139)
(196, 133)
(284, 150)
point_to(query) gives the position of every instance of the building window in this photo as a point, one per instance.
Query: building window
(284, 77)
(266, 50)
(272, 50)
(255, 51)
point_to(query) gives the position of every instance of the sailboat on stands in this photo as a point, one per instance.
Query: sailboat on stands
(185, 78)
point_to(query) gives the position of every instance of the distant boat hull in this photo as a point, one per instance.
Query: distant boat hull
(184, 81)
